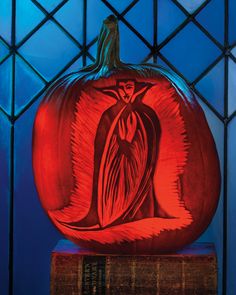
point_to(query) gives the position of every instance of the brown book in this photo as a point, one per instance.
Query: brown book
(76, 271)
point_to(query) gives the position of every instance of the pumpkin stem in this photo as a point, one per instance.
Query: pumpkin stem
(108, 44)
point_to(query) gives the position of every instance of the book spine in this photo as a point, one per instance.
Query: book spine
(108, 275)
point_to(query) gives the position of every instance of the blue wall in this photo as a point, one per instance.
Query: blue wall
(35, 49)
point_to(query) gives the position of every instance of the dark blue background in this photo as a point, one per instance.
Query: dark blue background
(36, 48)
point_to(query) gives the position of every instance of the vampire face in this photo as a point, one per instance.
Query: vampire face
(126, 90)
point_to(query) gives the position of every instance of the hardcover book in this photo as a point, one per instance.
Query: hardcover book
(79, 271)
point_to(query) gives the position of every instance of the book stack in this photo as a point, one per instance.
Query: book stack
(76, 271)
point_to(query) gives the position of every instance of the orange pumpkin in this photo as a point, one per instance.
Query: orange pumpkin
(123, 157)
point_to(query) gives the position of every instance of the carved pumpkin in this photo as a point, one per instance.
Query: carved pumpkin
(123, 158)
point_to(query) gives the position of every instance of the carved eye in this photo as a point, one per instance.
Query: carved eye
(129, 86)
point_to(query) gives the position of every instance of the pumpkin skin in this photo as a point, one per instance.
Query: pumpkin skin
(123, 158)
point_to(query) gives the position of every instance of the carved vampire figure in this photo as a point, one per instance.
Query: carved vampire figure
(126, 151)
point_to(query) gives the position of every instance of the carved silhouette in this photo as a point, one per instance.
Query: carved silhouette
(126, 151)
(119, 152)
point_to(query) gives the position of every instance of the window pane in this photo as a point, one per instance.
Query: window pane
(234, 51)
(24, 75)
(28, 16)
(232, 21)
(3, 50)
(214, 25)
(128, 49)
(70, 16)
(232, 86)
(212, 87)
(5, 135)
(166, 23)
(193, 56)
(141, 18)
(191, 6)
(6, 85)
(120, 5)
(5, 20)
(49, 5)
(44, 53)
